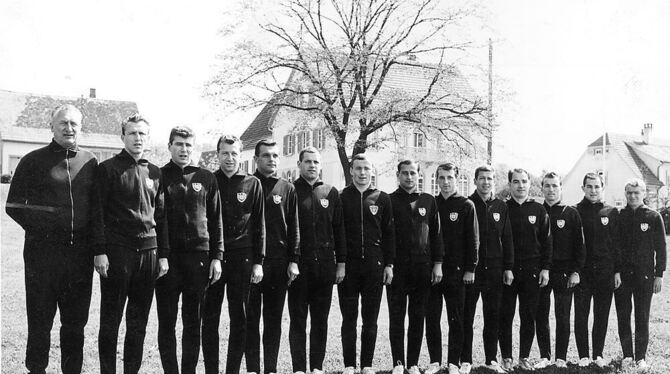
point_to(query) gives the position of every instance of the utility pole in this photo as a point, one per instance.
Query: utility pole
(490, 109)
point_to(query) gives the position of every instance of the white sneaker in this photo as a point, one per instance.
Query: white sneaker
(367, 370)
(584, 362)
(299, 372)
(414, 370)
(317, 371)
(251, 372)
(495, 367)
(465, 368)
(508, 364)
(627, 363)
(525, 364)
(601, 362)
(543, 363)
(560, 363)
(432, 368)
(398, 369)
(349, 370)
(642, 365)
(453, 369)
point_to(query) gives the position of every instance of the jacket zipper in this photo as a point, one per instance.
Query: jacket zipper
(362, 230)
(69, 181)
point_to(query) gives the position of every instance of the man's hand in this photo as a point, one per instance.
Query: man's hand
(617, 280)
(101, 264)
(163, 267)
(256, 273)
(573, 280)
(468, 277)
(508, 277)
(658, 284)
(214, 270)
(388, 275)
(292, 271)
(340, 272)
(436, 277)
(544, 278)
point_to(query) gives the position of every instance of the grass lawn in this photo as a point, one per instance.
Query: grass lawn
(14, 328)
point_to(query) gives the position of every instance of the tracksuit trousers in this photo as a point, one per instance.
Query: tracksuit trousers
(453, 291)
(488, 284)
(597, 283)
(526, 287)
(558, 281)
(640, 288)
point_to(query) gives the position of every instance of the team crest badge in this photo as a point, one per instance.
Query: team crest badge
(453, 216)
(496, 217)
(374, 209)
(325, 203)
(196, 186)
(422, 211)
(532, 219)
(604, 220)
(560, 223)
(241, 196)
(150, 183)
(644, 226)
(276, 199)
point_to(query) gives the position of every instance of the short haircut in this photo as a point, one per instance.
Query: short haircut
(551, 175)
(133, 118)
(486, 168)
(594, 176)
(61, 108)
(516, 170)
(181, 131)
(358, 157)
(447, 167)
(408, 162)
(636, 182)
(309, 149)
(263, 143)
(228, 139)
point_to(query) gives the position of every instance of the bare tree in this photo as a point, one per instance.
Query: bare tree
(341, 55)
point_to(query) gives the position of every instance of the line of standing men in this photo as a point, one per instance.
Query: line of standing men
(182, 230)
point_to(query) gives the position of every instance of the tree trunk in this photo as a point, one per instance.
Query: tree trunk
(344, 162)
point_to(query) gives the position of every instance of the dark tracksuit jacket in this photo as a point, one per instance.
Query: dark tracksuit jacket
(242, 210)
(322, 244)
(641, 234)
(496, 254)
(597, 277)
(532, 252)
(460, 235)
(195, 230)
(52, 197)
(282, 246)
(568, 257)
(136, 235)
(418, 246)
(368, 221)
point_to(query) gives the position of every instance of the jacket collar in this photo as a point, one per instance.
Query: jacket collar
(302, 181)
(262, 177)
(355, 189)
(55, 147)
(172, 166)
(125, 155)
(453, 196)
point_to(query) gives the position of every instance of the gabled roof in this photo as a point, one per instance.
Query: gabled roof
(648, 176)
(260, 127)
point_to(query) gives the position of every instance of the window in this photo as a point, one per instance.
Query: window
(304, 139)
(245, 166)
(319, 139)
(433, 183)
(463, 185)
(419, 140)
(603, 174)
(289, 145)
(373, 178)
(419, 184)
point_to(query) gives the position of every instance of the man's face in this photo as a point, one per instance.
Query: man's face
(551, 188)
(361, 170)
(181, 150)
(136, 138)
(446, 180)
(408, 176)
(593, 190)
(66, 126)
(310, 166)
(635, 196)
(485, 182)
(519, 185)
(267, 160)
(229, 157)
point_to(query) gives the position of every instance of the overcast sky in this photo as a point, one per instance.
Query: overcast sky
(573, 69)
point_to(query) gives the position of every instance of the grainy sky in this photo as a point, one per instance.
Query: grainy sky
(570, 69)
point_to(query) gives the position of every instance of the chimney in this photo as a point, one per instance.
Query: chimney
(91, 93)
(646, 132)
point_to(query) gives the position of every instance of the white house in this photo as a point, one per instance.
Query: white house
(292, 133)
(623, 157)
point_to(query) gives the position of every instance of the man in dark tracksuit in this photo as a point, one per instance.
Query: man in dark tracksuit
(52, 198)
(496, 259)
(281, 260)
(568, 258)
(193, 211)
(597, 278)
(242, 208)
(136, 251)
(460, 235)
(641, 234)
(418, 264)
(323, 256)
(532, 261)
(368, 220)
